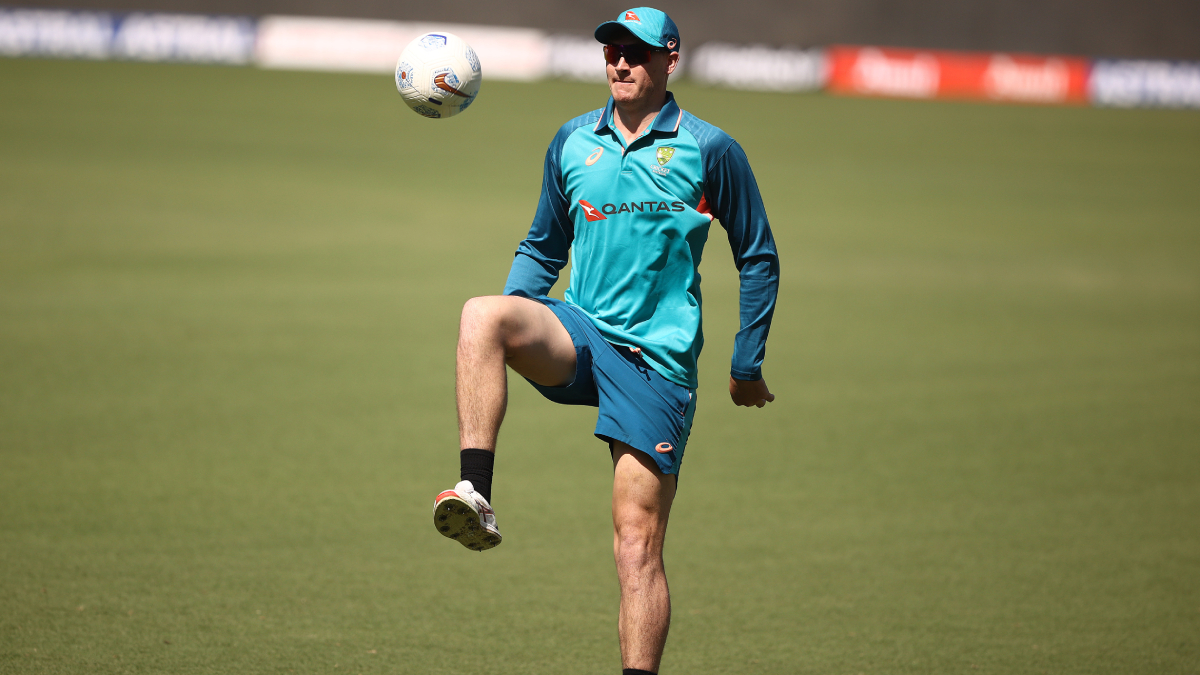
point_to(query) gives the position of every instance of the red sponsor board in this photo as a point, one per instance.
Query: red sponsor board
(912, 73)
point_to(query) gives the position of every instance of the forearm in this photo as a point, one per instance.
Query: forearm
(529, 276)
(759, 290)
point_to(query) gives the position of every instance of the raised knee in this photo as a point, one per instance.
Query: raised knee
(490, 320)
(484, 313)
(480, 307)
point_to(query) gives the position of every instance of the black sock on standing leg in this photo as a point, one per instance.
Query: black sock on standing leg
(635, 671)
(477, 467)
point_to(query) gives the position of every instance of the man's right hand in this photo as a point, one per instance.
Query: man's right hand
(750, 393)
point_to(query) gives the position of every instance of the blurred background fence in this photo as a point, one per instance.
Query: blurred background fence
(1125, 54)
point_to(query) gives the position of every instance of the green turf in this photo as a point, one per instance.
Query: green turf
(228, 305)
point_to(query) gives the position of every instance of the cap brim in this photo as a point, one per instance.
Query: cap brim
(611, 30)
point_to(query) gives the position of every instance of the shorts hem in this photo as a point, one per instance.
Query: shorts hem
(607, 438)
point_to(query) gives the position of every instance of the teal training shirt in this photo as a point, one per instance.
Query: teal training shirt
(634, 221)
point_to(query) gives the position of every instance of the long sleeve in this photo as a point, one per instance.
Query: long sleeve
(546, 249)
(733, 195)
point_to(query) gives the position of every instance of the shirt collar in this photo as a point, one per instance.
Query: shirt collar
(668, 118)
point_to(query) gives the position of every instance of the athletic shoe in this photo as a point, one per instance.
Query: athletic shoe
(463, 515)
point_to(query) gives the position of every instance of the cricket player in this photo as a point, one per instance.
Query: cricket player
(629, 194)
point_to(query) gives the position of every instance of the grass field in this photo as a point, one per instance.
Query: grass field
(228, 308)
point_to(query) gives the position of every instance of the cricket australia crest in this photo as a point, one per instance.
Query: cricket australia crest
(665, 154)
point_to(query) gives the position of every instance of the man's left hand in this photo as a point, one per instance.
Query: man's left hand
(750, 392)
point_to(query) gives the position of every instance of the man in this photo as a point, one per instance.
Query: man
(629, 193)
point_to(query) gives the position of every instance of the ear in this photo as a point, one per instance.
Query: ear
(672, 62)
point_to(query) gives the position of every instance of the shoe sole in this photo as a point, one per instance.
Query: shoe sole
(456, 520)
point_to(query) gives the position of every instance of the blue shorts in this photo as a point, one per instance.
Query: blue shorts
(638, 406)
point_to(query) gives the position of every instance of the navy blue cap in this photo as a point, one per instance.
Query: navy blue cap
(647, 24)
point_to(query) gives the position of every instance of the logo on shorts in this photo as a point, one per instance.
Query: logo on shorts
(590, 212)
(663, 448)
(594, 157)
(630, 16)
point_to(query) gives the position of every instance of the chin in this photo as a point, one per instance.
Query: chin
(623, 91)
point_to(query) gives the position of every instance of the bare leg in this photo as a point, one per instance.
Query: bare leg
(500, 330)
(642, 500)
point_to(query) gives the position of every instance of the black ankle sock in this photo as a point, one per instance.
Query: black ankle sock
(477, 468)
(635, 671)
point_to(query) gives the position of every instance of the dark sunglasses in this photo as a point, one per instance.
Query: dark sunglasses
(634, 55)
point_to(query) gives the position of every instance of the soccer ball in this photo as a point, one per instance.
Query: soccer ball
(438, 75)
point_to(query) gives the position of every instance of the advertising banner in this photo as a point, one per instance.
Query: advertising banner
(185, 37)
(56, 34)
(910, 73)
(143, 37)
(576, 57)
(370, 46)
(758, 67)
(526, 54)
(1153, 84)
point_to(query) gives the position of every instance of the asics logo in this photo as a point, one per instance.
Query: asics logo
(440, 83)
(663, 448)
(590, 212)
(594, 157)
